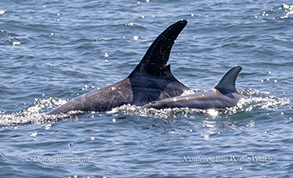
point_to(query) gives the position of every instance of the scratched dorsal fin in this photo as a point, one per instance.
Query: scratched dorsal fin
(227, 83)
(156, 57)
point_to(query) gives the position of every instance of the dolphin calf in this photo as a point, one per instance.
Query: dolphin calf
(223, 95)
(151, 80)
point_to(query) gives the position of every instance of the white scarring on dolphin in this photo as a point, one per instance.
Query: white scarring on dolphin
(151, 80)
(223, 95)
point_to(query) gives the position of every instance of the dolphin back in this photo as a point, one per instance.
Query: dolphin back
(227, 83)
(151, 80)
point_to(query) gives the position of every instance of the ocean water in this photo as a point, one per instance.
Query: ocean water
(52, 51)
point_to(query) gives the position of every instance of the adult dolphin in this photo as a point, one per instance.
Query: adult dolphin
(223, 95)
(151, 80)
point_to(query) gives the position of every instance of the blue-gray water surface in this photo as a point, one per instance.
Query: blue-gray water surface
(52, 51)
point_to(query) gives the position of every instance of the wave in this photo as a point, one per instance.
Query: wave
(253, 99)
(36, 113)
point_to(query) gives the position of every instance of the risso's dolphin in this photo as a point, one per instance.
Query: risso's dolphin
(223, 95)
(151, 80)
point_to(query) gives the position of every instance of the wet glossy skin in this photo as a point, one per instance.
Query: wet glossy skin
(128, 91)
(205, 100)
(151, 80)
(223, 95)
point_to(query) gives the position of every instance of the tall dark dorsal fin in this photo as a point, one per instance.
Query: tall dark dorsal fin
(156, 57)
(227, 83)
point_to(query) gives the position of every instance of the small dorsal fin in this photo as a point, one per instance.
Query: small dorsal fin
(156, 57)
(227, 83)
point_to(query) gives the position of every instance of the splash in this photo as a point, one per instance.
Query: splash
(35, 114)
(261, 99)
(284, 11)
(288, 10)
(193, 91)
(154, 113)
(252, 99)
(257, 99)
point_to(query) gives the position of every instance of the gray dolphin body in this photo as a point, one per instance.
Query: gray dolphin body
(222, 96)
(151, 80)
